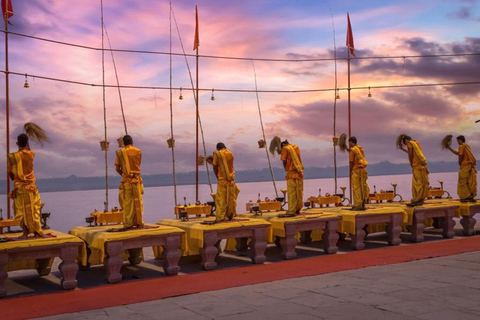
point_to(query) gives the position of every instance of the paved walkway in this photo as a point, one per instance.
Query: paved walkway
(439, 288)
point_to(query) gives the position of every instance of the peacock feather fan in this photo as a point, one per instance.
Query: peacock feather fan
(342, 142)
(446, 142)
(276, 145)
(399, 142)
(36, 133)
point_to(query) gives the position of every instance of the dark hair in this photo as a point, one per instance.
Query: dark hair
(406, 138)
(461, 138)
(127, 140)
(22, 140)
(284, 143)
(220, 146)
(353, 139)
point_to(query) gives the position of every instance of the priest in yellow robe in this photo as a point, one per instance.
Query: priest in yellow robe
(418, 162)
(130, 195)
(292, 162)
(359, 174)
(467, 175)
(25, 196)
(227, 190)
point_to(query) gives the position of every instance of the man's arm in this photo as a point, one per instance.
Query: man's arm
(453, 151)
(403, 149)
(118, 168)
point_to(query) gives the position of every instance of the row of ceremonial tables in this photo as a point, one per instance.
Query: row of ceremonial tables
(171, 238)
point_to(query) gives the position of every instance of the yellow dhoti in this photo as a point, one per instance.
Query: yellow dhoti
(360, 189)
(467, 182)
(226, 200)
(295, 195)
(420, 183)
(26, 206)
(131, 201)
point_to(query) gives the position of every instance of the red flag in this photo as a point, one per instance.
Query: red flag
(7, 9)
(350, 45)
(196, 41)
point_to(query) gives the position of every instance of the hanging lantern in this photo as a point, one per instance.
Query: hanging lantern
(200, 160)
(26, 85)
(104, 145)
(335, 140)
(171, 143)
(181, 94)
(338, 94)
(369, 92)
(120, 142)
(262, 144)
(213, 96)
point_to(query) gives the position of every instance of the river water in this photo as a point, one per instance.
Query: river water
(69, 209)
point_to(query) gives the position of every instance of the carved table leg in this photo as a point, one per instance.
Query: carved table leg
(43, 268)
(3, 273)
(468, 224)
(258, 245)
(113, 262)
(417, 227)
(209, 250)
(359, 236)
(171, 255)
(135, 256)
(305, 237)
(289, 242)
(68, 267)
(394, 229)
(242, 244)
(330, 237)
(448, 224)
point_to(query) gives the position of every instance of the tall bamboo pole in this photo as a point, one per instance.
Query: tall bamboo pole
(104, 109)
(7, 104)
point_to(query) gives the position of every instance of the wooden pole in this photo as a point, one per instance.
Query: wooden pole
(196, 132)
(104, 109)
(349, 120)
(7, 107)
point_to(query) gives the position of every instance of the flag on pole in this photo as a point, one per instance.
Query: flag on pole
(350, 44)
(7, 9)
(196, 41)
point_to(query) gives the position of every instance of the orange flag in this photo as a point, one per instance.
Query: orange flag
(196, 41)
(7, 9)
(350, 45)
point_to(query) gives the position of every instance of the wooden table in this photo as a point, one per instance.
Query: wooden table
(203, 238)
(354, 222)
(285, 230)
(420, 213)
(107, 247)
(42, 250)
(467, 211)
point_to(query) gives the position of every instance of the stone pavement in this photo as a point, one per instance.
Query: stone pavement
(438, 288)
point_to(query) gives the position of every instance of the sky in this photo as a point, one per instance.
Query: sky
(281, 29)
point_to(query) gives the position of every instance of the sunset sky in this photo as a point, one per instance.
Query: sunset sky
(282, 29)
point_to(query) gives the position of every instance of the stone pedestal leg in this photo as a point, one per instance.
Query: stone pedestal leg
(113, 262)
(258, 245)
(305, 237)
(288, 243)
(68, 267)
(242, 244)
(171, 255)
(417, 227)
(359, 236)
(448, 224)
(330, 237)
(394, 228)
(209, 250)
(468, 224)
(135, 256)
(43, 268)
(3, 273)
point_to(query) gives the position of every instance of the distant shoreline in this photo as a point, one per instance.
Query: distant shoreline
(74, 183)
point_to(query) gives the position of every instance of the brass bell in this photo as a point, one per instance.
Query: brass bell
(338, 94)
(213, 96)
(26, 85)
(369, 92)
(181, 94)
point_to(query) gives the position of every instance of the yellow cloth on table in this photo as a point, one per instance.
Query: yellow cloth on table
(108, 217)
(131, 187)
(420, 181)
(467, 175)
(227, 190)
(463, 207)
(37, 242)
(294, 169)
(96, 237)
(348, 217)
(194, 230)
(26, 199)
